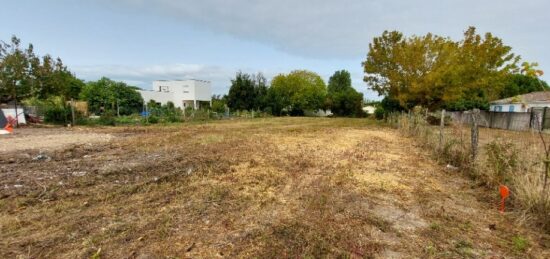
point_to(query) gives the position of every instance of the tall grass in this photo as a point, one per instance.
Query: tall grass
(515, 162)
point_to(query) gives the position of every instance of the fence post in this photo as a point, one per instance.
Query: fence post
(491, 115)
(441, 127)
(475, 133)
(72, 111)
(543, 118)
(531, 119)
(509, 120)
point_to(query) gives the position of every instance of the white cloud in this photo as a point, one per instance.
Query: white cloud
(342, 29)
(333, 30)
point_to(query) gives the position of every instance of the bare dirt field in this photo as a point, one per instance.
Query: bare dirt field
(267, 188)
(48, 139)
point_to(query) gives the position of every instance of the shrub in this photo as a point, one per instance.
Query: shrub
(107, 119)
(502, 160)
(54, 109)
(57, 114)
(132, 119)
(153, 119)
(379, 113)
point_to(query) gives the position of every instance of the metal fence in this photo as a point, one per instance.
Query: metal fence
(537, 118)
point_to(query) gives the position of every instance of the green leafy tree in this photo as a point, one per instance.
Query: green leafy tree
(219, 103)
(343, 99)
(260, 92)
(247, 92)
(339, 81)
(25, 74)
(106, 95)
(14, 70)
(241, 94)
(296, 92)
(517, 84)
(436, 72)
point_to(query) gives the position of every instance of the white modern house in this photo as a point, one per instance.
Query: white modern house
(369, 109)
(522, 103)
(183, 93)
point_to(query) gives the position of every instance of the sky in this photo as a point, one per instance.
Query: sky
(138, 41)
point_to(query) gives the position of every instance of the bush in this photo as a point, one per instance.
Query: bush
(172, 118)
(128, 120)
(107, 119)
(54, 109)
(502, 160)
(57, 115)
(153, 119)
(379, 113)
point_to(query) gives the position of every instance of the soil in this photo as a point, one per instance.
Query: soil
(49, 139)
(268, 188)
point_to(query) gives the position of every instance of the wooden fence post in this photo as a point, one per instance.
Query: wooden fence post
(475, 133)
(441, 127)
(531, 123)
(72, 112)
(543, 118)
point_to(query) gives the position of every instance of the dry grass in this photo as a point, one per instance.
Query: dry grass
(504, 157)
(269, 188)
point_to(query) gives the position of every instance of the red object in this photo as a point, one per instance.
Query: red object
(9, 128)
(504, 193)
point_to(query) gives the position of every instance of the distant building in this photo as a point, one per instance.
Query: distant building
(522, 103)
(183, 93)
(369, 109)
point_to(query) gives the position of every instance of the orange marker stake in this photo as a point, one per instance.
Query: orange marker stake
(504, 193)
(9, 128)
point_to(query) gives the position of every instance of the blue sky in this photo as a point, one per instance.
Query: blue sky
(138, 41)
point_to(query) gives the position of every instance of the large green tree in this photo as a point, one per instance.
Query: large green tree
(342, 98)
(27, 75)
(435, 72)
(296, 92)
(247, 92)
(517, 84)
(108, 96)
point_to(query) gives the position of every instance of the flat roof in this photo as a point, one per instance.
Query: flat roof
(181, 80)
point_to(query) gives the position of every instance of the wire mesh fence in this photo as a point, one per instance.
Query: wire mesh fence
(513, 157)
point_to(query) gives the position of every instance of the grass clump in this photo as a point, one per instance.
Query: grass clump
(520, 243)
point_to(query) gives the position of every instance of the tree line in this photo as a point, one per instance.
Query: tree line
(432, 71)
(46, 82)
(295, 93)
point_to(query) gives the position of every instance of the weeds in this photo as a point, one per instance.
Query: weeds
(502, 162)
(520, 243)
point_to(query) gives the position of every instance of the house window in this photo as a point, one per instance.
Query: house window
(498, 108)
(511, 109)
